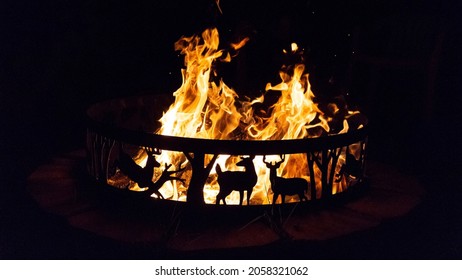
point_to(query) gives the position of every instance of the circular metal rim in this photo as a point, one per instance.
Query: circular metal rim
(216, 146)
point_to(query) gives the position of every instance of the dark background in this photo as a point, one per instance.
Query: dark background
(58, 57)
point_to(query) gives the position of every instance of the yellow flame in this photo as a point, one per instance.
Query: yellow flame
(237, 46)
(294, 47)
(294, 113)
(202, 108)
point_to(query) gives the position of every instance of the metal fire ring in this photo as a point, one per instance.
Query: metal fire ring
(132, 120)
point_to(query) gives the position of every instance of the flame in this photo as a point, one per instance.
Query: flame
(294, 113)
(205, 107)
(202, 108)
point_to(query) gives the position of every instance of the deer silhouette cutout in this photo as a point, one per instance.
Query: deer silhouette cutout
(285, 186)
(237, 180)
(351, 168)
(143, 175)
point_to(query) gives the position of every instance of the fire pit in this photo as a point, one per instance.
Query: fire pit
(118, 139)
(209, 147)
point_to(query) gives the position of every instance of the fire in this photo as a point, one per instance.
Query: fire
(294, 113)
(202, 108)
(205, 107)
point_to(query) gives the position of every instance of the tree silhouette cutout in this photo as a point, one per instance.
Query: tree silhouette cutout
(199, 176)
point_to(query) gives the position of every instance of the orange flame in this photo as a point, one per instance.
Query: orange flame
(205, 107)
(202, 108)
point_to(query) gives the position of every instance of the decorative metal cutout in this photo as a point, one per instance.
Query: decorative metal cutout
(237, 180)
(199, 176)
(285, 186)
(143, 176)
(326, 162)
(118, 164)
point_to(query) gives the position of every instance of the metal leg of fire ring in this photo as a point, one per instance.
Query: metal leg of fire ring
(276, 226)
(274, 222)
(172, 227)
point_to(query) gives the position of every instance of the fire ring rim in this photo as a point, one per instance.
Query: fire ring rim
(217, 146)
